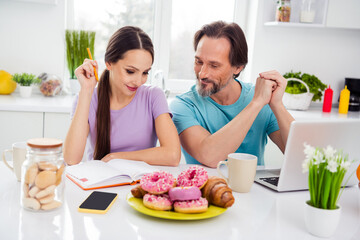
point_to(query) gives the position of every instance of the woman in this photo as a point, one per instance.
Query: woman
(122, 117)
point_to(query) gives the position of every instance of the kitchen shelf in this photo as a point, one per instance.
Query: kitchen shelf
(294, 24)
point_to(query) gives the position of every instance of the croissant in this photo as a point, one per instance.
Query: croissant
(217, 192)
(138, 192)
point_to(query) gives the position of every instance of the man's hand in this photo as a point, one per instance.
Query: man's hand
(263, 91)
(277, 95)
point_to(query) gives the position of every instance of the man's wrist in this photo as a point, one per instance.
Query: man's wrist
(277, 107)
(258, 105)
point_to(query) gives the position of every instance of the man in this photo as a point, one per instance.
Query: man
(221, 115)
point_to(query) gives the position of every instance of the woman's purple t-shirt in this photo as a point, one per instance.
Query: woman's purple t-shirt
(132, 127)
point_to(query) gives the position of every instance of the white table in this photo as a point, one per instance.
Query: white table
(260, 214)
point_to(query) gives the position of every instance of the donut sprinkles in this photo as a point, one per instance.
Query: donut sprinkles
(194, 176)
(160, 202)
(157, 182)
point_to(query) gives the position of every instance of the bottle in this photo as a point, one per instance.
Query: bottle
(344, 101)
(42, 173)
(328, 99)
(283, 10)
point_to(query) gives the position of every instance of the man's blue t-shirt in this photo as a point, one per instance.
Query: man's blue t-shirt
(190, 109)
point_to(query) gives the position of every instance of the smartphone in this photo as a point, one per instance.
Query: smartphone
(98, 202)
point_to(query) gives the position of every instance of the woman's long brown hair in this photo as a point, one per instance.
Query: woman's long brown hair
(125, 39)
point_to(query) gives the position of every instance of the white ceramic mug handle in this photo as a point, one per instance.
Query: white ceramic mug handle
(4, 159)
(218, 169)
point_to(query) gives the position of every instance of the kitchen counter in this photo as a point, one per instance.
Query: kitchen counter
(36, 103)
(259, 214)
(63, 103)
(315, 112)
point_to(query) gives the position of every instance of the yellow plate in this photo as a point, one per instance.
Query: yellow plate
(138, 205)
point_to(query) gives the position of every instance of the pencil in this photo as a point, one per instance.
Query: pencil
(96, 76)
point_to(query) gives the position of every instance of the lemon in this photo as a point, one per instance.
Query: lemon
(7, 85)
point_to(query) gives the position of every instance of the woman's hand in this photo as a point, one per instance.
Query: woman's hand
(85, 74)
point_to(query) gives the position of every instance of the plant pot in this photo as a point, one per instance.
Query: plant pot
(74, 86)
(25, 91)
(321, 222)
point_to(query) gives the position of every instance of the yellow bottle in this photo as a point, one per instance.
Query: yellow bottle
(344, 101)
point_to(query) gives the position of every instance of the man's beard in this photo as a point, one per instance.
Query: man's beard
(216, 87)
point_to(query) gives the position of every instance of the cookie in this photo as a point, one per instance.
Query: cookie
(59, 174)
(47, 166)
(51, 205)
(47, 199)
(31, 173)
(45, 179)
(26, 190)
(33, 191)
(31, 203)
(47, 191)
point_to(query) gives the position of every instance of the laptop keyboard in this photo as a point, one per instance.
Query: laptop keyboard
(272, 180)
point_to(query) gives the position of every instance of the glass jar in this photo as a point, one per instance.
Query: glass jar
(283, 10)
(307, 14)
(42, 175)
(51, 85)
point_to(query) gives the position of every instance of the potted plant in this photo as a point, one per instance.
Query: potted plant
(301, 89)
(77, 41)
(25, 82)
(326, 168)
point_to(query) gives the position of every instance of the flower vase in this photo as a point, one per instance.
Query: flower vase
(321, 222)
(25, 91)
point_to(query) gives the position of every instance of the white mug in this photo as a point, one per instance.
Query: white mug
(18, 157)
(241, 171)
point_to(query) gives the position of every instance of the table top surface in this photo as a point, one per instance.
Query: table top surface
(259, 214)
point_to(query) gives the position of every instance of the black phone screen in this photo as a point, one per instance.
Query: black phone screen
(98, 201)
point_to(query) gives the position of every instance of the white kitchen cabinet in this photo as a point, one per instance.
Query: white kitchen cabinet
(19, 126)
(343, 14)
(56, 125)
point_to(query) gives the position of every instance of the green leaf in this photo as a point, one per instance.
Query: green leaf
(25, 79)
(316, 86)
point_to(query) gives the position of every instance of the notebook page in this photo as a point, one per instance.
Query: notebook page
(134, 169)
(93, 172)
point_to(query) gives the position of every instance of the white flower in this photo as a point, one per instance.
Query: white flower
(305, 165)
(329, 152)
(319, 157)
(345, 165)
(309, 151)
(332, 166)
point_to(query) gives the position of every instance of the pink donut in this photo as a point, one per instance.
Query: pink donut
(191, 206)
(194, 176)
(184, 193)
(157, 182)
(157, 202)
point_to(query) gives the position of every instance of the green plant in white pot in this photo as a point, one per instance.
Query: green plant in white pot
(25, 81)
(77, 41)
(327, 168)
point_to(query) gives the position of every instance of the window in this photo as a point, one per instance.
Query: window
(170, 23)
(187, 17)
(107, 16)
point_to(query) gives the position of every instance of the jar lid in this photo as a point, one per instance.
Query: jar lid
(44, 142)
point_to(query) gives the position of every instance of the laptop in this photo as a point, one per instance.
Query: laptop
(339, 133)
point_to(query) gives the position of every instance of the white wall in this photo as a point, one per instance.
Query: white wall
(329, 53)
(32, 37)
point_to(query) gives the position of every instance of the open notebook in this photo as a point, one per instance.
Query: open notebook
(98, 174)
